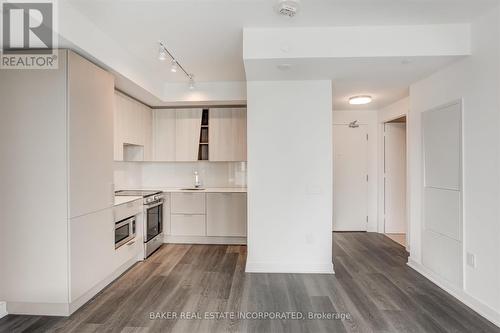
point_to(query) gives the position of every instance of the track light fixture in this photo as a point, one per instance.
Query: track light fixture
(163, 53)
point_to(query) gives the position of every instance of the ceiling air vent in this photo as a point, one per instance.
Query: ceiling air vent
(288, 7)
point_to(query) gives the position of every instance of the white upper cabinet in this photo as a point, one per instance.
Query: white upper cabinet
(164, 135)
(91, 104)
(187, 134)
(133, 129)
(227, 134)
(147, 130)
(176, 134)
(169, 135)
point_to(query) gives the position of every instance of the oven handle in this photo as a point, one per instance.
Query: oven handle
(153, 205)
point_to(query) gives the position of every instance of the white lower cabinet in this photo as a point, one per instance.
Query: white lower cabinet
(188, 203)
(94, 261)
(188, 225)
(213, 216)
(227, 214)
(91, 251)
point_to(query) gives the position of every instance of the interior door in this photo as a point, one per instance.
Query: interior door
(350, 190)
(395, 178)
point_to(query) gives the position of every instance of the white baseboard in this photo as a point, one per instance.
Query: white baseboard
(279, 267)
(476, 305)
(205, 240)
(38, 309)
(3, 309)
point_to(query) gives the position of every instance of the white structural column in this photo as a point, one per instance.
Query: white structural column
(289, 176)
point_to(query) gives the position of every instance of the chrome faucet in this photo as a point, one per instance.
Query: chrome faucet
(197, 182)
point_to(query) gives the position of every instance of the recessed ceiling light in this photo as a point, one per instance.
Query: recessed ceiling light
(406, 61)
(284, 67)
(360, 100)
(287, 7)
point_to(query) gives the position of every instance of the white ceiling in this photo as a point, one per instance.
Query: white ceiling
(386, 79)
(206, 35)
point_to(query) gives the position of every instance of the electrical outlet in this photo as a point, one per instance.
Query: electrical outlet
(471, 260)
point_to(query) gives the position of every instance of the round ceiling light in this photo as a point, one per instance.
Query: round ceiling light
(360, 100)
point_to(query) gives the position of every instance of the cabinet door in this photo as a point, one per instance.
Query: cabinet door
(187, 134)
(91, 103)
(92, 247)
(118, 130)
(164, 134)
(147, 132)
(227, 214)
(227, 134)
(188, 203)
(188, 225)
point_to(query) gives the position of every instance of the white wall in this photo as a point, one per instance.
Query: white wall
(33, 202)
(476, 81)
(368, 118)
(133, 175)
(289, 176)
(395, 110)
(371, 41)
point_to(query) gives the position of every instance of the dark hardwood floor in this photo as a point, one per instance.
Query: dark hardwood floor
(373, 289)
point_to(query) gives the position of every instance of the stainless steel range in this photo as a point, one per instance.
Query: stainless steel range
(153, 218)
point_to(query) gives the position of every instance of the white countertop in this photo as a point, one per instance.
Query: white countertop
(119, 200)
(207, 189)
(204, 190)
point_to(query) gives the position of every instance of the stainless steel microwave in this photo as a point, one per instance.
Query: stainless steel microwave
(125, 232)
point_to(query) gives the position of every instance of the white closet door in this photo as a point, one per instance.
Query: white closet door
(442, 248)
(350, 190)
(187, 134)
(395, 178)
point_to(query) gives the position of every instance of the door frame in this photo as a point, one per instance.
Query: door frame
(381, 176)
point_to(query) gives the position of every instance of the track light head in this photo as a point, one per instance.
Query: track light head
(162, 55)
(191, 82)
(174, 66)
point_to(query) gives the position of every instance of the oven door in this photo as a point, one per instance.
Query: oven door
(154, 220)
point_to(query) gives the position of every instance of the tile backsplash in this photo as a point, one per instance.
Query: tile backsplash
(129, 175)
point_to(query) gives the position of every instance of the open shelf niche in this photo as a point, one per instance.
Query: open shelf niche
(203, 146)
